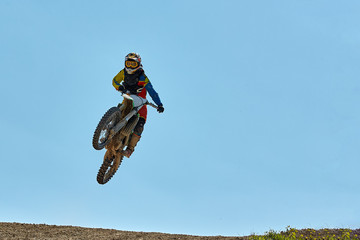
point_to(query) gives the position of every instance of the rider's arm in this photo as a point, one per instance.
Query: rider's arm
(118, 79)
(153, 94)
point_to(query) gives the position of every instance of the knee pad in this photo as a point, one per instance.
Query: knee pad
(139, 128)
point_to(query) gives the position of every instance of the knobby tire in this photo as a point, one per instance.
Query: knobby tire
(107, 169)
(114, 114)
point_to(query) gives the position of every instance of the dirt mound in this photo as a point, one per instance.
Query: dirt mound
(50, 232)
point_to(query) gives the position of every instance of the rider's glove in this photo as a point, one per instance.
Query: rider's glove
(121, 89)
(160, 109)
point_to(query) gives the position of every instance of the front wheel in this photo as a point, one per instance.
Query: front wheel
(102, 132)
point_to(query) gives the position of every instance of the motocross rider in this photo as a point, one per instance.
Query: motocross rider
(133, 79)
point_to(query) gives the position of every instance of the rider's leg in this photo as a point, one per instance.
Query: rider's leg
(132, 144)
(135, 137)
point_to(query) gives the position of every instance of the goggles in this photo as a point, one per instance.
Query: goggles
(131, 64)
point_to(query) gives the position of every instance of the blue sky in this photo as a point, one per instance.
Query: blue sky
(261, 122)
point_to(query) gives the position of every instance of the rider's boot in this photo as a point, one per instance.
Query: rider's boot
(132, 144)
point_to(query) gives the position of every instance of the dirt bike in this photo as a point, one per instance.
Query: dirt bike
(114, 132)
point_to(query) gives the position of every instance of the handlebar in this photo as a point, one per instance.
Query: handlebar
(153, 105)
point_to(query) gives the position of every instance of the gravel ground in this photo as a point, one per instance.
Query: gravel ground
(50, 232)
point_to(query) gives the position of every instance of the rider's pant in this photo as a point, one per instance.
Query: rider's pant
(140, 125)
(143, 112)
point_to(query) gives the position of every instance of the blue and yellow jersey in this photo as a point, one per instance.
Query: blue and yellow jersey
(143, 82)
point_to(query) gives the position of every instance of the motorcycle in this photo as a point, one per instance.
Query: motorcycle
(114, 132)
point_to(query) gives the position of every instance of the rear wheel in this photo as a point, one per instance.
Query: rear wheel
(109, 168)
(102, 132)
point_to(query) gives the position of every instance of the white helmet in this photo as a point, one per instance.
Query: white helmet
(132, 63)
